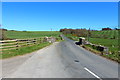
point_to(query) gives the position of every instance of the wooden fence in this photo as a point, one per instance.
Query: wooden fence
(16, 44)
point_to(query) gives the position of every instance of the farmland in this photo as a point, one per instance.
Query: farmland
(30, 34)
(106, 38)
(107, 34)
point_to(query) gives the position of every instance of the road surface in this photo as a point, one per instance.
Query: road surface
(64, 60)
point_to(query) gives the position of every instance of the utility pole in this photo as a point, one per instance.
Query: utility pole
(51, 32)
(88, 35)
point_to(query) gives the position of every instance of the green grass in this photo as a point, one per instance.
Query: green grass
(111, 43)
(22, 50)
(30, 34)
(113, 56)
(75, 38)
(109, 34)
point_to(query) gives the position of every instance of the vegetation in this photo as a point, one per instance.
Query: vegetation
(77, 32)
(30, 34)
(72, 36)
(22, 50)
(111, 43)
(106, 34)
(113, 56)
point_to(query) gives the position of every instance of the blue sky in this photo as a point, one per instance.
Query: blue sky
(60, 0)
(42, 16)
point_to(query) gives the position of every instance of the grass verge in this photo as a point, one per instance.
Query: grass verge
(114, 57)
(22, 50)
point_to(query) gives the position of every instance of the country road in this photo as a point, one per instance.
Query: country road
(62, 60)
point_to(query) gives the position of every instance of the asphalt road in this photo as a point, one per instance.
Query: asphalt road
(65, 60)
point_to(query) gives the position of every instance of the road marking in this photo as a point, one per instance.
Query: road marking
(92, 73)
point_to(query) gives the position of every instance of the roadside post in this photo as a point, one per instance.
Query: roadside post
(81, 40)
(17, 45)
(106, 50)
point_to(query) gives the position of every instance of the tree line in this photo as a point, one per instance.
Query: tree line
(76, 32)
(85, 32)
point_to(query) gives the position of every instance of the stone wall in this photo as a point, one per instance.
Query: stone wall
(83, 41)
(50, 39)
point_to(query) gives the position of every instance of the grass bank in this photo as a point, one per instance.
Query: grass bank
(112, 44)
(72, 37)
(22, 50)
(113, 56)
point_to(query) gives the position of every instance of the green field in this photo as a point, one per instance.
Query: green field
(30, 34)
(108, 34)
(108, 38)
(111, 43)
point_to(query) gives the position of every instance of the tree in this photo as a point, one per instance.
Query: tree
(106, 28)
